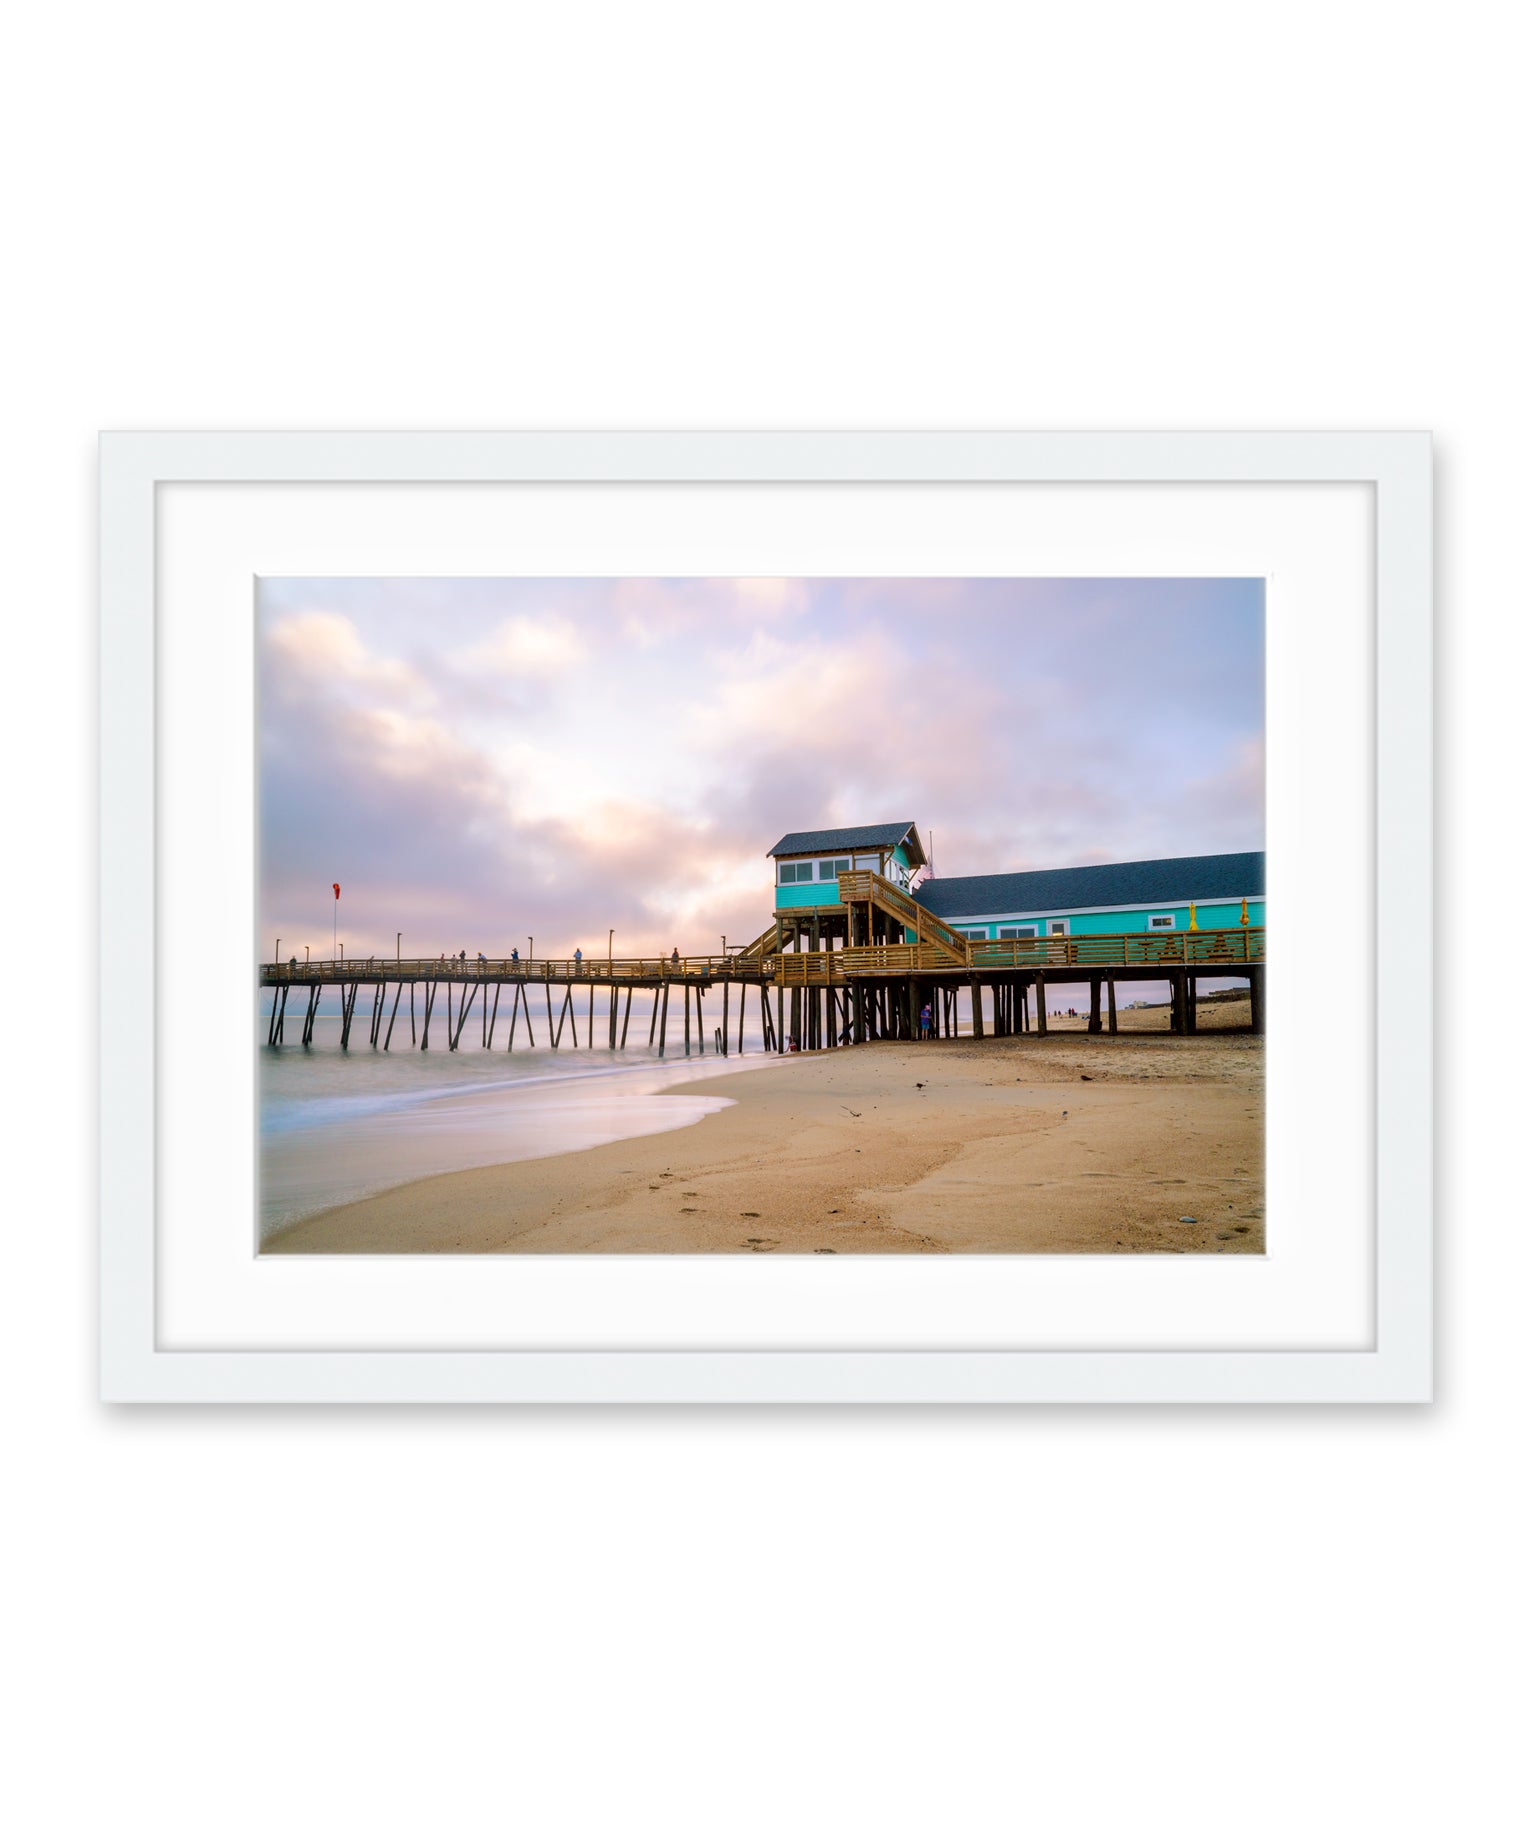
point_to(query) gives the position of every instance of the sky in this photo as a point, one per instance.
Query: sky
(481, 760)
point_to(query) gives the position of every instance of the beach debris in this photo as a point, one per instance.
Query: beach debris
(1188, 1221)
(848, 1111)
(918, 1086)
(748, 1214)
(833, 1211)
(825, 1253)
(1085, 1077)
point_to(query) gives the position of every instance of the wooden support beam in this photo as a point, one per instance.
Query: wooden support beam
(742, 1003)
(1257, 999)
(1110, 994)
(662, 1041)
(688, 1024)
(496, 1001)
(411, 1001)
(272, 1021)
(550, 1016)
(429, 995)
(726, 1017)
(1041, 1003)
(699, 1014)
(624, 1037)
(651, 1035)
(466, 1001)
(1094, 1002)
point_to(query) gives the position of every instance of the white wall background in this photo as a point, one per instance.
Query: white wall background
(411, 1625)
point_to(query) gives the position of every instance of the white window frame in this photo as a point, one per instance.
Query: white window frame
(1162, 921)
(842, 863)
(1018, 932)
(1057, 926)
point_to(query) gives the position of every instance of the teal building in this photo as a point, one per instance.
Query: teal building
(1207, 891)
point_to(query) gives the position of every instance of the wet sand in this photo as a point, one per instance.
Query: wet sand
(1067, 1144)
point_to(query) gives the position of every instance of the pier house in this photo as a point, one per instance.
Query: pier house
(809, 911)
(1213, 891)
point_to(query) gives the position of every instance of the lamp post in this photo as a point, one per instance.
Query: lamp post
(277, 943)
(397, 948)
(531, 948)
(611, 951)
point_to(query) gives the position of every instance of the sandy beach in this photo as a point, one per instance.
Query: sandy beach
(1067, 1144)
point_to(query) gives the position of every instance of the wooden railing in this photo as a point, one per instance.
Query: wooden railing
(738, 965)
(872, 888)
(1151, 949)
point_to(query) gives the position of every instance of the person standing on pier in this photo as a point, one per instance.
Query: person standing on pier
(577, 958)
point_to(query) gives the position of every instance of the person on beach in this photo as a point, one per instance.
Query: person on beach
(792, 1046)
(925, 1021)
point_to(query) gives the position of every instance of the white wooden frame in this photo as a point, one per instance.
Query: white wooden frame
(134, 1369)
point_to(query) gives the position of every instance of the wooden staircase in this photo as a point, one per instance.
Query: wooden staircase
(761, 946)
(932, 931)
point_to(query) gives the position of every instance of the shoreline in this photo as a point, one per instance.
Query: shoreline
(1062, 1144)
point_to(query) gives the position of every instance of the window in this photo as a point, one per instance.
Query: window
(801, 873)
(1165, 920)
(1059, 928)
(1014, 931)
(830, 868)
(975, 935)
(867, 862)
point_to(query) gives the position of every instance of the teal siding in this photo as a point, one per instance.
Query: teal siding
(1124, 922)
(806, 897)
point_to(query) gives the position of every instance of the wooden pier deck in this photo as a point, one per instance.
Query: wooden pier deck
(833, 996)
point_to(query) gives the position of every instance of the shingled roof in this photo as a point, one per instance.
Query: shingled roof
(1137, 884)
(852, 839)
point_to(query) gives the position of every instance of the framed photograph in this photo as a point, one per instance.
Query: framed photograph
(817, 918)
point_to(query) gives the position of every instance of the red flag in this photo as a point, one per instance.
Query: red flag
(337, 889)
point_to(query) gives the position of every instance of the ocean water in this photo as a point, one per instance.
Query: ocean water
(336, 1125)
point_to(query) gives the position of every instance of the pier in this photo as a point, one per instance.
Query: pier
(854, 990)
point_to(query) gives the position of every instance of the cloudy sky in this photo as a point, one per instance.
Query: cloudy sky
(479, 760)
